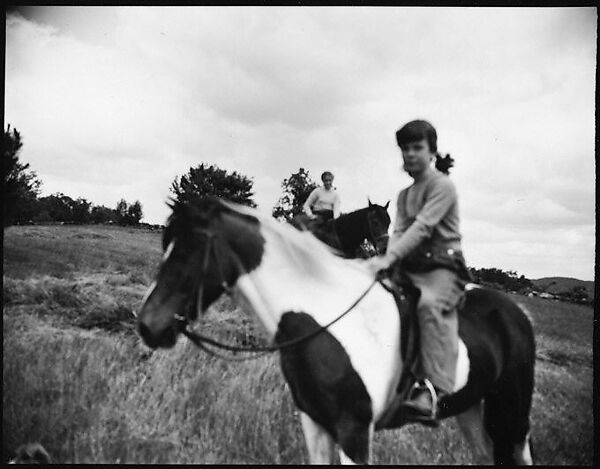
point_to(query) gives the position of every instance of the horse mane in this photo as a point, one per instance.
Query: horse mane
(354, 214)
(305, 251)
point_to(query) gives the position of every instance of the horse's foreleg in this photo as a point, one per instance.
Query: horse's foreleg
(522, 452)
(319, 443)
(472, 426)
(345, 459)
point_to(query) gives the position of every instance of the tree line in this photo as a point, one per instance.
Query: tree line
(497, 278)
(22, 204)
(510, 281)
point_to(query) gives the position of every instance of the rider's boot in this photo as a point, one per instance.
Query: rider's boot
(422, 404)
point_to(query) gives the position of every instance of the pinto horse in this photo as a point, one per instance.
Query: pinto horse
(342, 373)
(347, 232)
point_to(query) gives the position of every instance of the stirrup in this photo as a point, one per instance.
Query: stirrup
(426, 384)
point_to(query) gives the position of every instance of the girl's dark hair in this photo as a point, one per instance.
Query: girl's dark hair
(415, 131)
(418, 130)
(443, 164)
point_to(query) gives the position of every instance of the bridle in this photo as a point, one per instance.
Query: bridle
(185, 322)
(374, 239)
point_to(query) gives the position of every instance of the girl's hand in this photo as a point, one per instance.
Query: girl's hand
(378, 263)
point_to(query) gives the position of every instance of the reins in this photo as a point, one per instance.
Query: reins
(201, 340)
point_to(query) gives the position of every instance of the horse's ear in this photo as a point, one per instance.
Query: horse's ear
(370, 204)
(387, 205)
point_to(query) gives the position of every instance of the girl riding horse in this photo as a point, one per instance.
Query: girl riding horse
(425, 243)
(338, 331)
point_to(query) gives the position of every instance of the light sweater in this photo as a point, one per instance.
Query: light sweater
(322, 199)
(427, 212)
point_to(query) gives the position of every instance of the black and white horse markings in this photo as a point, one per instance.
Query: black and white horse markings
(347, 232)
(342, 379)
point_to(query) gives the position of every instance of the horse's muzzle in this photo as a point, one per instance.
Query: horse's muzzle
(158, 332)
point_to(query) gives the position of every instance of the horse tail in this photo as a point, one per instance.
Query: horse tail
(507, 407)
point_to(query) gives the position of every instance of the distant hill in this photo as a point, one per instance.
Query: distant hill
(561, 284)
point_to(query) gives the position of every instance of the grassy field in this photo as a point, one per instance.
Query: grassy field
(78, 379)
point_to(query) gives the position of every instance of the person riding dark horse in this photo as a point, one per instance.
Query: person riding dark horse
(426, 245)
(323, 203)
(347, 233)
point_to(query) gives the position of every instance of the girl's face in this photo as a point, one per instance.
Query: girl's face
(417, 157)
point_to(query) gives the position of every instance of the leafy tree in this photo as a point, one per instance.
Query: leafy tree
(41, 215)
(102, 214)
(126, 214)
(134, 213)
(21, 187)
(206, 180)
(497, 278)
(55, 207)
(80, 211)
(296, 190)
(121, 212)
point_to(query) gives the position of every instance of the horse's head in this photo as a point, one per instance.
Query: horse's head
(378, 221)
(207, 246)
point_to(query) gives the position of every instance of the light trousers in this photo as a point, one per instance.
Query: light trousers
(441, 292)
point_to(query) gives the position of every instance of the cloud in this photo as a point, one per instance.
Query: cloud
(117, 102)
(530, 251)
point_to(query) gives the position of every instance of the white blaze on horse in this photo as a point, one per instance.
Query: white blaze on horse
(344, 376)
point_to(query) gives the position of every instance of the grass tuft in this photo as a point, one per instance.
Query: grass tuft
(118, 319)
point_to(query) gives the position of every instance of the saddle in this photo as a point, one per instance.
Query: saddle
(407, 297)
(304, 223)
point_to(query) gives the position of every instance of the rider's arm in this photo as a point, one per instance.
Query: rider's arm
(336, 206)
(312, 198)
(400, 245)
(439, 201)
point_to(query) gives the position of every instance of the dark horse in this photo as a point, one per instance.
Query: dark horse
(347, 232)
(342, 375)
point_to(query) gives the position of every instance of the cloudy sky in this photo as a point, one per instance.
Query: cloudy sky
(115, 102)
